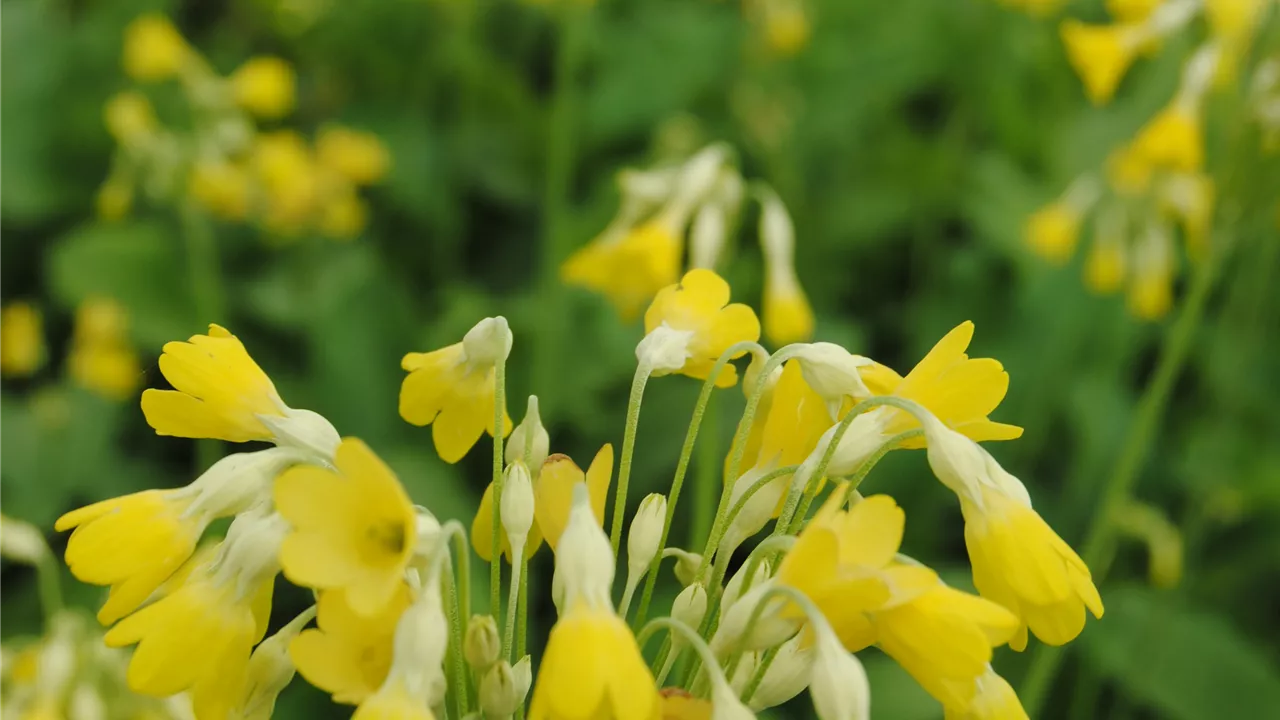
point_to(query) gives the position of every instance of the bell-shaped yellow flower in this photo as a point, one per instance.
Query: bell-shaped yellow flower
(788, 317)
(553, 492)
(1173, 139)
(629, 270)
(1053, 230)
(394, 701)
(959, 390)
(943, 638)
(348, 655)
(592, 668)
(353, 529)
(265, 86)
(199, 634)
(993, 699)
(1101, 55)
(220, 392)
(358, 156)
(102, 359)
(153, 49)
(1150, 294)
(698, 307)
(452, 389)
(22, 349)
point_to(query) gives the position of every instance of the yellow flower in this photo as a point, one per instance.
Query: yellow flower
(1233, 21)
(287, 170)
(222, 187)
(1132, 11)
(393, 701)
(200, 634)
(1191, 199)
(358, 156)
(1129, 171)
(22, 350)
(959, 390)
(786, 26)
(264, 86)
(788, 318)
(349, 655)
(129, 117)
(630, 270)
(993, 699)
(112, 371)
(1100, 54)
(1104, 266)
(353, 529)
(114, 198)
(344, 214)
(553, 492)
(1053, 230)
(592, 668)
(1173, 139)
(452, 389)
(153, 49)
(678, 704)
(697, 308)
(220, 391)
(1150, 295)
(943, 638)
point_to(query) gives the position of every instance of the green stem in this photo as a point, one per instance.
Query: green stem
(458, 600)
(704, 482)
(513, 602)
(758, 676)
(1099, 546)
(49, 582)
(628, 449)
(522, 619)
(204, 275)
(495, 561)
(682, 465)
(690, 636)
(456, 662)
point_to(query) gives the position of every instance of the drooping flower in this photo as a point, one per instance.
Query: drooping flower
(993, 699)
(102, 358)
(592, 667)
(1101, 54)
(265, 87)
(358, 156)
(788, 318)
(452, 389)
(553, 493)
(153, 49)
(691, 323)
(353, 528)
(22, 349)
(1173, 139)
(1018, 560)
(415, 681)
(349, 654)
(630, 270)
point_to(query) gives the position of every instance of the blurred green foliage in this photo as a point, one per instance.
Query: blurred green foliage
(910, 140)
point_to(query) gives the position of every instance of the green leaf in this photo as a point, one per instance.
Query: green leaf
(1186, 663)
(138, 264)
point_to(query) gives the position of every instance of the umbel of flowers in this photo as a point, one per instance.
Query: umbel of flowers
(393, 631)
(1155, 185)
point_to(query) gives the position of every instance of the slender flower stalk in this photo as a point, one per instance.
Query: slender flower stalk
(638, 383)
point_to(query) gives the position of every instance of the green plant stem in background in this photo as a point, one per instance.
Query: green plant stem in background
(704, 481)
(1099, 545)
(628, 449)
(560, 157)
(49, 580)
(513, 602)
(204, 275)
(459, 685)
(495, 549)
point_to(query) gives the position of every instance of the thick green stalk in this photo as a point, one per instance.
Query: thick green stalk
(495, 562)
(628, 449)
(513, 602)
(1099, 546)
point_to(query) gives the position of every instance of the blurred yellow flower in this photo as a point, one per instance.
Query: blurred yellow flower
(1150, 293)
(22, 349)
(786, 26)
(677, 704)
(1128, 171)
(220, 391)
(348, 655)
(353, 528)
(1105, 264)
(290, 182)
(1132, 11)
(1053, 231)
(265, 86)
(153, 49)
(129, 117)
(102, 358)
(629, 270)
(935, 382)
(698, 308)
(788, 317)
(1173, 139)
(356, 155)
(1101, 55)
(343, 215)
(452, 389)
(221, 187)
(114, 199)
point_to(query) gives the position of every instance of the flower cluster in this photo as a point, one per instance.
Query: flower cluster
(1156, 182)
(101, 357)
(224, 162)
(394, 632)
(640, 250)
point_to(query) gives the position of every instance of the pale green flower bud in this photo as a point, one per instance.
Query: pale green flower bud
(489, 341)
(838, 683)
(529, 437)
(504, 687)
(482, 644)
(645, 534)
(22, 541)
(517, 504)
(687, 563)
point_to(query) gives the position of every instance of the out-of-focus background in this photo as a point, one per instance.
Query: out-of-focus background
(453, 153)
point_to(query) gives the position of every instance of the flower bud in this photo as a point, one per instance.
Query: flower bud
(735, 588)
(504, 687)
(838, 683)
(690, 606)
(517, 504)
(771, 627)
(489, 341)
(252, 546)
(832, 372)
(271, 670)
(428, 531)
(264, 86)
(21, 541)
(584, 558)
(786, 677)
(529, 438)
(482, 644)
(645, 534)
(664, 350)
(756, 512)
(687, 563)
(240, 481)
(305, 430)
(725, 704)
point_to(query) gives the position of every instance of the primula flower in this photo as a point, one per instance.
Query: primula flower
(1018, 560)
(592, 667)
(353, 528)
(348, 655)
(129, 117)
(153, 49)
(452, 389)
(1150, 293)
(264, 86)
(415, 682)
(993, 699)
(1101, 54)
(691, 323)
(22, 350)
(788, 318)
(1173, 139)
(136, 542)
(678, 704)
(102, 358)
(1132, 10)
(358, 156)
(221, 393)
(959, 390)
(628, 269)
(1053, 231)
(221, 187)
